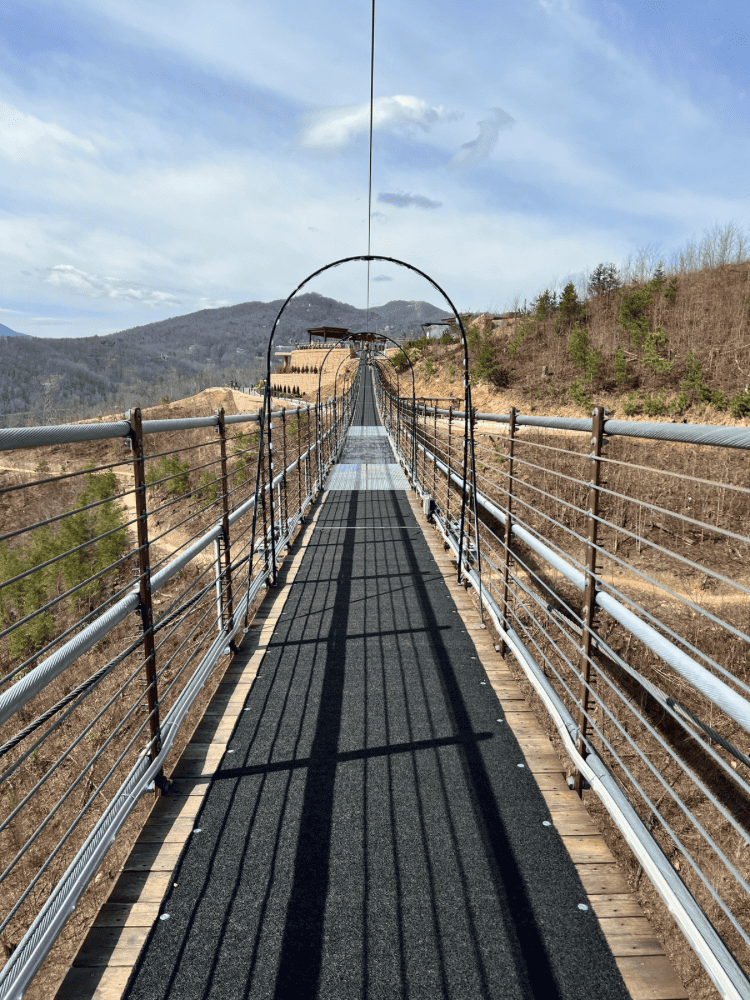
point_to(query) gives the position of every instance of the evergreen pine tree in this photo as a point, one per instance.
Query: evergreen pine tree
(570, 308)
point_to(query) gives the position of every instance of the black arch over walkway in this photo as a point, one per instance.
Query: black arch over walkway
(468, 456)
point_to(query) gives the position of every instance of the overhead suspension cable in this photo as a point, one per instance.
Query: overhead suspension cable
(369, 189)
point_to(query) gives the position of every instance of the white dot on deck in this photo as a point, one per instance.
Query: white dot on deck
(164, 916)
(582, 906)
(546, 822)
(520, 765)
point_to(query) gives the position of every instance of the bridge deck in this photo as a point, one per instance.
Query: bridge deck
(371, 826)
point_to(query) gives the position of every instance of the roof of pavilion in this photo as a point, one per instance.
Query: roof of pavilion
(340, 333)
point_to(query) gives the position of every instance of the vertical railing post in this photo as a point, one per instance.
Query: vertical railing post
(398, 425)
(307, 454)
(218, 588)
(262, 496)
(299, 464)
(284, 507)
(326, 438)
(448, 481)
(475, 508)
(144, 586)
(422, 413)
(317, 446)
(508, 523)
(414, 439)
(434, 453)
(228, 605)
(589, 592)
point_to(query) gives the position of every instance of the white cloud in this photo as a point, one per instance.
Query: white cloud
(93, 286)
(24, 137)
(481, 147)
(382, 277)
(338, 126)
(403, 200)
(206, 303)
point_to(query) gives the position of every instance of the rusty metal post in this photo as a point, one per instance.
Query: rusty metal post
(448, 480)
(144, 584)
(589, 604)
(262, 496)
(284, 504)
(227, 569)
(307, 453)
(271, 515)
(475, 509)
(434, 455)
(508, 522)
(299, 463)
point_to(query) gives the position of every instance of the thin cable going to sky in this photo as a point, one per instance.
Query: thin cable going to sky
(369, 189)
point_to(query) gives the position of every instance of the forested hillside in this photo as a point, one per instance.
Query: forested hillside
(44, 380)
(673, 344)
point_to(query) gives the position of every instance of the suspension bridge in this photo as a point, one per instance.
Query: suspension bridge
(367, 806)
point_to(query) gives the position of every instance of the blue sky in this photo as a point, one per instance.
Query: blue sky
(163, 156)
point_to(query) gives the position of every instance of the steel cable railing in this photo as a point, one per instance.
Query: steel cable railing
(89, 709)
(633, 634)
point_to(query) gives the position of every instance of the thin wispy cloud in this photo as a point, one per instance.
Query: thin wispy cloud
(379, 217)
(339, 126)
(24, 137)
(404, 200)
(382, 277)
(481, 147)
(94, 286)
(206, 303)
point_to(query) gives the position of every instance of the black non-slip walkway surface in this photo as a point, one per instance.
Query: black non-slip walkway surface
(365, 411)
(371, 833)
(367, 450)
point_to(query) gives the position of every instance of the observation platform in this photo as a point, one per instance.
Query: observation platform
(369, 808)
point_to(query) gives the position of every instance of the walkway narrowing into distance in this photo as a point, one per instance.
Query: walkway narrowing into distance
(370, 826)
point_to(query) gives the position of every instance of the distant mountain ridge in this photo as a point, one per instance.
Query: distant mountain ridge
(5, 331)
(177, 356)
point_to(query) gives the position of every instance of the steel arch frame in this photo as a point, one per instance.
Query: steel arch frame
(468, 422)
